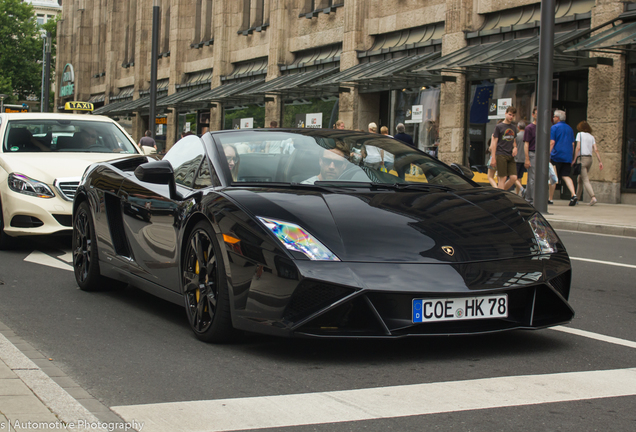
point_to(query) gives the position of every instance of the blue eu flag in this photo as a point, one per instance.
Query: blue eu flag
(479, 107)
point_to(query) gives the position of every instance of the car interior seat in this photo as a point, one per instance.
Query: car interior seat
(20, 138)
(66, 143)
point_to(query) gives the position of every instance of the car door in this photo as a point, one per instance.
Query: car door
(152, 218)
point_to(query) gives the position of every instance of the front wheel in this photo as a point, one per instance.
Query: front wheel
(205, 288)
(85, 259)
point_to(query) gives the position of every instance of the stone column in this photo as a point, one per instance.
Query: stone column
(278, 16)
(605, 112)
(356, 110)
(460, 16)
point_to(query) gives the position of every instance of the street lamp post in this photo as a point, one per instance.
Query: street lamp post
(153, 69)
(47, 74)
(544, 106)
(2, 97)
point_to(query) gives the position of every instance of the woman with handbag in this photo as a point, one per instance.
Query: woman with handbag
(585, 145)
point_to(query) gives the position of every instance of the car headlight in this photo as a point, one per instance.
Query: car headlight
(545, 236)
(22, 184)
(297, 239)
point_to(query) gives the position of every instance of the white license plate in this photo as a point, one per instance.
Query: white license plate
(454, 309)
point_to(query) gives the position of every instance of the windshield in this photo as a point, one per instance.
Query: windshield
(52, 135)
(331, 156)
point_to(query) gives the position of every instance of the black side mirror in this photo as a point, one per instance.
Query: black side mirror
(465, 171)
(158, 172)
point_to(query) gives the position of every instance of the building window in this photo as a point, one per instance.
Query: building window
(255, 16)
(204, 24)
(629, 169)
(313, 8)
(130, 34)
(41, 19)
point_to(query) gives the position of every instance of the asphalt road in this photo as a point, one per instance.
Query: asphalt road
(127, 348)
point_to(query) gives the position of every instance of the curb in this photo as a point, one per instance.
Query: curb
(593, 227)
(54, 389)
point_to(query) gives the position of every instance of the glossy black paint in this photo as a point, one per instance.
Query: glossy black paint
(389, 243)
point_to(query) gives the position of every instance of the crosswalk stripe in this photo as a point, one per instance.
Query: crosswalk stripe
(596, 336)
(378, 403)
(47, 260)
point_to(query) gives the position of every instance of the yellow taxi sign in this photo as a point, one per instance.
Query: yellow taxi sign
(78, 106)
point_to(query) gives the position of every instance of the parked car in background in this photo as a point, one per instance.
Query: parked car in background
(42, 159)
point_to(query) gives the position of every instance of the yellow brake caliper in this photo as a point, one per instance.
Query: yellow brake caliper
(196, 271)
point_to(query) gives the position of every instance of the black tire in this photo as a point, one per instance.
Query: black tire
(205, 287)
(6, 241)
(85, 258)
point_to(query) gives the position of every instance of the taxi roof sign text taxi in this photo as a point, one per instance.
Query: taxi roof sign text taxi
(78, 106)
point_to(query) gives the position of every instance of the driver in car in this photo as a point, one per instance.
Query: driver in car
(332, 164)
(88, 137)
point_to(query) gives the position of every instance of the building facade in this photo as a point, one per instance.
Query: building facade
(438, 66)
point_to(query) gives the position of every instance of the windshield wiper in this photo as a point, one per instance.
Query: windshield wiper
(323, 185)
(414, 186)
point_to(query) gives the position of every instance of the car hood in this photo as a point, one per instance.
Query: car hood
(403, 226)
(47, 167)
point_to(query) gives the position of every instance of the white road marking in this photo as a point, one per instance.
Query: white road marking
(378, 403)
(603, 262)
(596, 336)
(47, 260)
(597, 234)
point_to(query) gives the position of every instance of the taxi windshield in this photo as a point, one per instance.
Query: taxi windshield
(314, 156)
(52, 135)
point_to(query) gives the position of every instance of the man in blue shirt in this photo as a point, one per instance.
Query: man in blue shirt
(561, 150)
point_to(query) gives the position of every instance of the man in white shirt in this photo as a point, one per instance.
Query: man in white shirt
(332, 164)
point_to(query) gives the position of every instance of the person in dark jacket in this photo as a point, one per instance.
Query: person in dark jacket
(404, 137)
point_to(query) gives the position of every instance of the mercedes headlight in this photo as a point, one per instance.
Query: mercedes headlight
(22, 184)
(297, 239)
(545, 236)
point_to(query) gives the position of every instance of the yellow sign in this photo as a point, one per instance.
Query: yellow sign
(19, 110)
(78, 106)
(161, 120)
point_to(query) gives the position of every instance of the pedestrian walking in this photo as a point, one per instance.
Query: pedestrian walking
(529, 148)
(585, 145)
(561, 150)
(148, 141)
(520, 158)
(504, 147)
(403, 136)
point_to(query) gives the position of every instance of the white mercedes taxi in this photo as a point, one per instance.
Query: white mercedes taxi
(42, 158)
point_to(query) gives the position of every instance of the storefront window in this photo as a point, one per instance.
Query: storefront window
(629, 177)
(187, 123)
(418, 110)
(234, 114)
(481, 124)
(295, 112)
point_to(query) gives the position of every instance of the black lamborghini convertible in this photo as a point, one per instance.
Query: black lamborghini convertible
(318, 233)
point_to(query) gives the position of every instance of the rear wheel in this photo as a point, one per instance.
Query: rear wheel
(205, 288)
(85, 259)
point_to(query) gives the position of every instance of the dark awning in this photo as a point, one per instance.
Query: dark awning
(614, 38)
(179, 96)
(387, 74)
(106, 109)
(222, 92)
(97, 98)
(294, 84)
(515, 56)
(137, 105)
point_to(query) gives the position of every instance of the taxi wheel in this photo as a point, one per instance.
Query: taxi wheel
(85, 258)
(205, 287)
(6, 241)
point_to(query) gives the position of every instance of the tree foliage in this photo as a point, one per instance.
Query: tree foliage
(20, 49)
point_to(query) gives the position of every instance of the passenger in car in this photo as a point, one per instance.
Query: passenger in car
(233, 159)
(332, 164)
(87, 137)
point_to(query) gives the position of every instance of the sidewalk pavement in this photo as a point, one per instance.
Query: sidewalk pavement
(32, 390)
(613, 219)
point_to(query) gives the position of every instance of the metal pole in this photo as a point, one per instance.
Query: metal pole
(47, 74)
(153, 68)
(544, 105)
(43, 69)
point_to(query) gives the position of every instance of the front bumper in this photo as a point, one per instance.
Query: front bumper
(375, 300)
(25, 215)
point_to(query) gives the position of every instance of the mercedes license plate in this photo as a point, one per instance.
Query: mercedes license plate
(438, 309)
